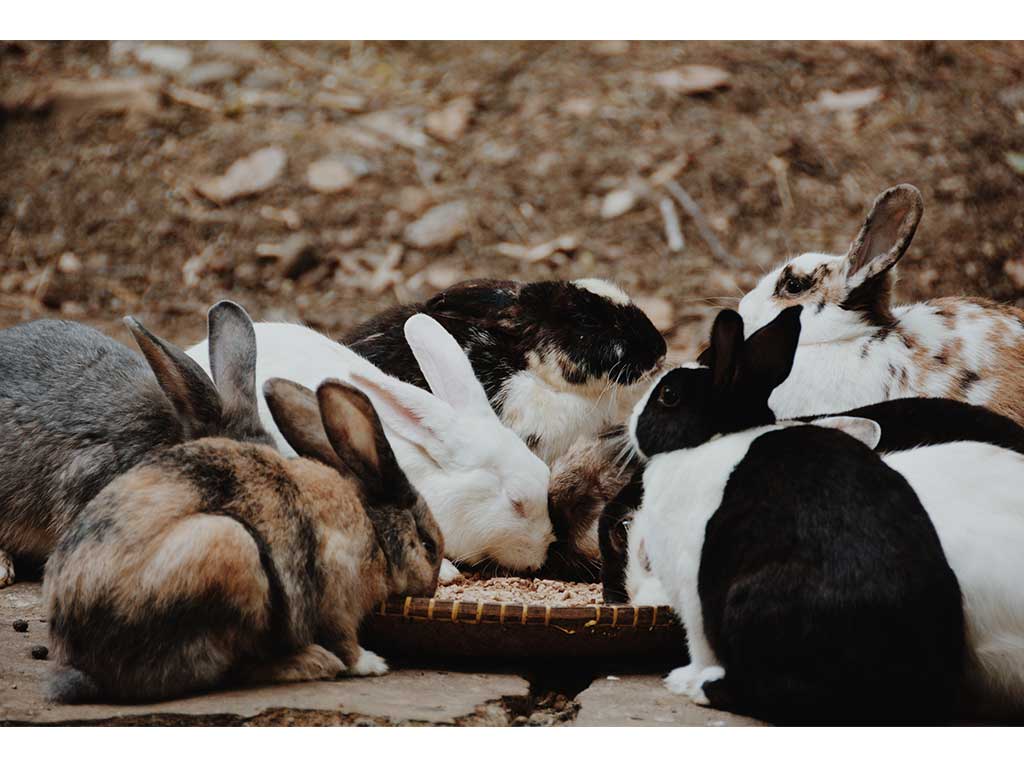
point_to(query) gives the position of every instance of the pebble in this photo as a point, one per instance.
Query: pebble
(693, 79)
(40, 652)
(247, 176)
(394, 127)
(168, 58)
(210, 73)
(439, 227)
(345, 102)
(1015, 271)
(20, 625)
(329, 175)
(448, 124)
(69, 263)
(618, 202)
(845, 101)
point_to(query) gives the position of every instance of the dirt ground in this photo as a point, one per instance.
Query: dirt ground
(107, 151)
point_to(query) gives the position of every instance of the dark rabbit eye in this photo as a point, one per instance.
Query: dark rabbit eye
(668, 397)
(428, 544)
(796, 285)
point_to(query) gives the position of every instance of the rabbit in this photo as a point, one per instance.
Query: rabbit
(217, 562)
(974, 495)
(488, 491)
(916, 421)
(558, 360)
(856, 348)
(811, 582)
(584, 481)
(77, 409)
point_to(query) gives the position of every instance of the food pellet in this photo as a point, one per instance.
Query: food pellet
(514, 589)
(40, 652)
(20, 625)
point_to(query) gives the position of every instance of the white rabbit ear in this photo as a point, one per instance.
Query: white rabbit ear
(408, 411)
(867, 431)
(886, 234)
(445, 366)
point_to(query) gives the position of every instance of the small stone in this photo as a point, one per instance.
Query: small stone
(265, 77)
(618, 202)
(329, 175)
(689, 80)
(578, 106)
(1015, 271)
(413, 200)
(69, 263)
(40, 652)
(448, 124)
(498, 153)
(20, 625)
(167, 58)
(440, 226)
(210, 73)
(295, 255)
(660, 311)
(531, 254)
(610, 47)
(253, 173)
(394, 127)
(845, 101)
(342, 101)
(1016, 161)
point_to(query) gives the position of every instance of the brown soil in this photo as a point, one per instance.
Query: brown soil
(553, 129)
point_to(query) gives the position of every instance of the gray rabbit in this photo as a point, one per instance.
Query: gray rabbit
(78, 409)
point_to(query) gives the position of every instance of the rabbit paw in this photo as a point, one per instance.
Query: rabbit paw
(449, 572)
(6, 570)
(689, 681)
(314, 662)
(368, 664)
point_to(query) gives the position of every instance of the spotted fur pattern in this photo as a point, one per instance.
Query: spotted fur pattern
(856, 348)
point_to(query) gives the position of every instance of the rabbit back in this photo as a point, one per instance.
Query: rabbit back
(825, 592)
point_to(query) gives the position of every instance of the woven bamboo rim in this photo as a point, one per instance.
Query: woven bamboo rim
(524, 614)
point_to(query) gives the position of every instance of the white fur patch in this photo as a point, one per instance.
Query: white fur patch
(610, 291)
(974, 495)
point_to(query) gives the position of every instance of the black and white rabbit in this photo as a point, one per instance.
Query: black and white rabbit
(811, 582)
(558, 360)
(217, 562)
(858, 348)
(77, 409)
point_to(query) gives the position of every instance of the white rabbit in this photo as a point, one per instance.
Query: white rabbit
(488, 491)
(856, 349)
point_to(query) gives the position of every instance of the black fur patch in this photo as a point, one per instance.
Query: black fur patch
(827, 584)
(613, 538)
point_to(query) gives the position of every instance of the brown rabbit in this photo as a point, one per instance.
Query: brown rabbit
(217, 561)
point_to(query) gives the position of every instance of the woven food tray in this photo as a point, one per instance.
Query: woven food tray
(427, 627)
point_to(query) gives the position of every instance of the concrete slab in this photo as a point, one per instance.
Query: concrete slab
(405, 696)
(644, 700)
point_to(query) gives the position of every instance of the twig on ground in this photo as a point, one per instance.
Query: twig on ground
(703, 226)
(673, 233)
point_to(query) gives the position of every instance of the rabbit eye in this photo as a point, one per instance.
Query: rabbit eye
(430, 546)
(795, 285)
(668, 397)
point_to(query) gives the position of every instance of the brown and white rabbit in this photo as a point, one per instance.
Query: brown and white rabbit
(77, 409)
(217, 561)
(856, 348)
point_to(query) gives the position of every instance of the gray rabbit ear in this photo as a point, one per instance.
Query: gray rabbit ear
(232, 344)
(886, 234)
(186, 385)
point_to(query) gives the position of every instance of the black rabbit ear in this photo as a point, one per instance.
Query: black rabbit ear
(483, 299)
(186, 385)
(726, 350)
(768, 353)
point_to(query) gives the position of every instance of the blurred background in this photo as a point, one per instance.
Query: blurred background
(321, 182)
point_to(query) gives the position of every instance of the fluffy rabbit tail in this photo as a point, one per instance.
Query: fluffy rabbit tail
(71, 686)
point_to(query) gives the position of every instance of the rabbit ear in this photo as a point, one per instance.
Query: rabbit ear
(444, 365)
(867, 431)
(408, 411)
(296, 412)
(768, 353)
(886, 234)
(723, 356)
(233, 356)
(186, 385)
(357, 437)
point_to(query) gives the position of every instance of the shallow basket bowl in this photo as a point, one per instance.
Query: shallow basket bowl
(423, 627)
